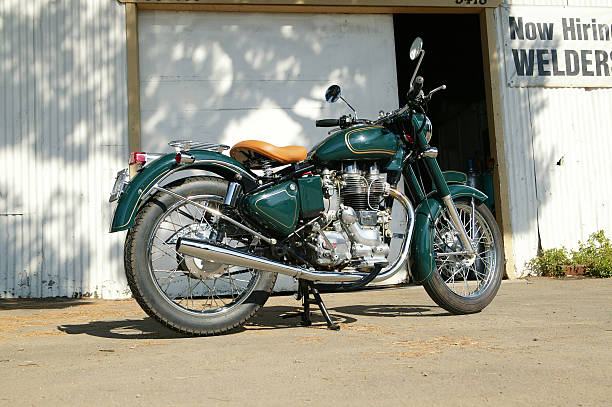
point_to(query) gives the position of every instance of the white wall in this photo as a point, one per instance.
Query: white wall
(227, 77)
(63, 136)
(556, 205)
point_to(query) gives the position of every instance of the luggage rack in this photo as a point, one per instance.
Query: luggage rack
(186, 145)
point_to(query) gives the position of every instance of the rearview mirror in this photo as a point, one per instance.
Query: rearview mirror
(332, 94)
(415, 48)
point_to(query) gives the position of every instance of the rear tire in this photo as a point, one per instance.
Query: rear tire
(185, 293)
(457, 286)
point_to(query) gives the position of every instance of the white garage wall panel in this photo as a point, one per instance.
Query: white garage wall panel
(558, 145)
(63, 136)
(227, 77)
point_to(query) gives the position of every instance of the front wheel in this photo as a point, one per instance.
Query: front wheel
(461, 285)
(188, 294)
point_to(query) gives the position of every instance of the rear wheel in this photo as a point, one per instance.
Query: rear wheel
(188, 294)
(460, 285)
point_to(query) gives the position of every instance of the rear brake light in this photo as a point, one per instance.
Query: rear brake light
(138, 158)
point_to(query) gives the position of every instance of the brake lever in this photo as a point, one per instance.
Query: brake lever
(430, 94)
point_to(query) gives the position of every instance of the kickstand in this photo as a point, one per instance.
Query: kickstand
(305, 289)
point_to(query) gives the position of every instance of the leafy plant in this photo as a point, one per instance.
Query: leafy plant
(548, 262)
(595, 254)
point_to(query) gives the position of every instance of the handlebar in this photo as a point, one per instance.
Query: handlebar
(343, 122)
(328, 123)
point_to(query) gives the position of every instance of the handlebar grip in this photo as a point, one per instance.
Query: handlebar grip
(328, 123)
(417, 86)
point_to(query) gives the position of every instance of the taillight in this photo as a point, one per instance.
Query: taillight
(138, 158)
(184, 158)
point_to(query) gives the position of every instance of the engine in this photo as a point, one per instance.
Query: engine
(351, 231)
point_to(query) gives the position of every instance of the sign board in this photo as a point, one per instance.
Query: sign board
(558, 47)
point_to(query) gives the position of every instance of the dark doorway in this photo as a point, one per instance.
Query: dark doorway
(453, 56)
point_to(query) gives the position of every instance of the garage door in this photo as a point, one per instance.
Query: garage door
(227, 77)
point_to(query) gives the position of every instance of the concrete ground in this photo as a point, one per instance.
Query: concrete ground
(542, 342)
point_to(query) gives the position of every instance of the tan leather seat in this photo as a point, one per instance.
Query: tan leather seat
(249, 149)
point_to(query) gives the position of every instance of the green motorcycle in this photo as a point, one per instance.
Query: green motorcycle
(202, 252)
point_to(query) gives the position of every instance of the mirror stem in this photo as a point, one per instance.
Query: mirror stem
(349, 105)
(416, 69)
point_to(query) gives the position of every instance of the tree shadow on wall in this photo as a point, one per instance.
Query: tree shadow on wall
(64, 127)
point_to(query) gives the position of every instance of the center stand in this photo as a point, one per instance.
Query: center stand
(305, 289)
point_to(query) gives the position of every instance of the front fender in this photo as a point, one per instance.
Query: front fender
(422, 241)
(142, 183)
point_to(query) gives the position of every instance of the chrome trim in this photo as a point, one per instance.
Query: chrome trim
(233, 191)
(417, 67)
(217, 213)
(392, 270)
(185, 157)
(203, 250)
(431, 152)
(121, 182)
(223, 163)
(150, 157)
(224, 255)
(186, 145)
(452, 210)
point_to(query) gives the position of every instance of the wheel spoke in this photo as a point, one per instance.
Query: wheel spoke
(461, 275)
(188, 283)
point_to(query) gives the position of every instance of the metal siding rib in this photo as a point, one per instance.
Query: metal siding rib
(556, 205)
(63, 138)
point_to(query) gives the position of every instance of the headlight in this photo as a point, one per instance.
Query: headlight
(429, 130)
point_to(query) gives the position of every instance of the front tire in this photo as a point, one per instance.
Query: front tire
(458, 285)
(187, 294)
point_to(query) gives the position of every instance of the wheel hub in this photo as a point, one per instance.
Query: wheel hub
(203, 269)
(453, 244)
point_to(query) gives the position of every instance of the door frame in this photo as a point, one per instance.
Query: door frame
(491, 65)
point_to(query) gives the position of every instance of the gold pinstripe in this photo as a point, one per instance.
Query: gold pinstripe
(272, 217)
(221, 164)
(354, 151)
(139, 196)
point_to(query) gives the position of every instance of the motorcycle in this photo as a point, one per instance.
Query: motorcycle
(202, 253)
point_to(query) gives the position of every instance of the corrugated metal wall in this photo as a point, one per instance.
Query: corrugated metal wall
(63, 135)
(558, 144)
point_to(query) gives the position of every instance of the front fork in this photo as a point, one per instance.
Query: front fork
(429, 156)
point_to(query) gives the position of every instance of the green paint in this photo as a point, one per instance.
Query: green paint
(311, 196)
(359, 142)
(129, 202)
(275, 209)
(422, 241)
(397, 162)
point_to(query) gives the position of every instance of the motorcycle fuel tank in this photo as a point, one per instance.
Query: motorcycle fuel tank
(359, 142)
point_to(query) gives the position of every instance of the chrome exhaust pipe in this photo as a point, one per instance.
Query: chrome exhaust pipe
(223, 255)
(201, 249)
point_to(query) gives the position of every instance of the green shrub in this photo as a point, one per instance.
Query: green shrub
(596, 254)
(548, 262)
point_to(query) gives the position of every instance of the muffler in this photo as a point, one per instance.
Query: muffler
(201, 249)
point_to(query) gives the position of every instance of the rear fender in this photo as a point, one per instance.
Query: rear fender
(422, 241)
(139, 187)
